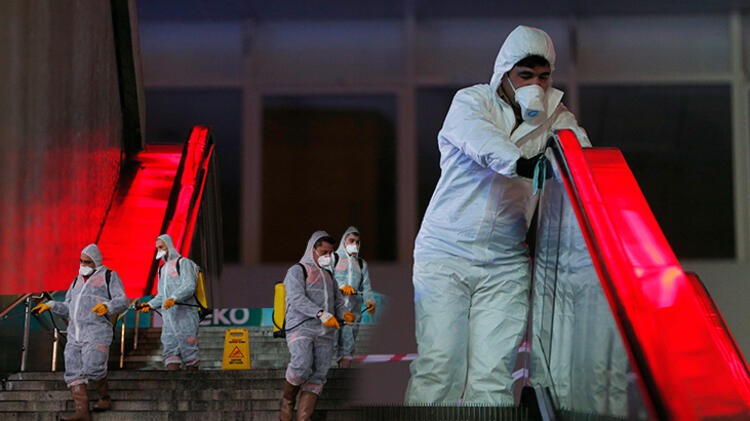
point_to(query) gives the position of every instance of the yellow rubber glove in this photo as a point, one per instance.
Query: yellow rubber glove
(40, 308)
(349, 318)
(100, 309)
(144, 308)
(348, 290)
(370, 307)
(169, 302)
(328, 320)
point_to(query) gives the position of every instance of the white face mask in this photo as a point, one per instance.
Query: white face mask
(85, 270)
(160, 254)
(352, 248)
(324, 261)
(533, 102)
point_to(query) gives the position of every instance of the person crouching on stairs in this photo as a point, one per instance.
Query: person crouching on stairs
(311, 297)
(95, 297)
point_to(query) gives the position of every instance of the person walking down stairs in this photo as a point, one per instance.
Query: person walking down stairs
(178, 278)
(314, 304)
(95, 297)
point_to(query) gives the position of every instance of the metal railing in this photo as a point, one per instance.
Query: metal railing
(26, 301)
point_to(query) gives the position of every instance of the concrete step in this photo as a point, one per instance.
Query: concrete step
(219, 376)
(255, 415)
(151, 385)
(265, 351)
(256, 391)
(168, 395)
(167, 405)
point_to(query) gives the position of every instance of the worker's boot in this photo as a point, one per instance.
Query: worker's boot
(173, 366)
(287, 401)
(81, 400)
(306, 407)
(345, 362)
(105, 402)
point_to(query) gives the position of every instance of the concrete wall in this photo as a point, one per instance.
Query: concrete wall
(60, 137)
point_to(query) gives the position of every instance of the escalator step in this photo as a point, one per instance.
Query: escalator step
(445, 413)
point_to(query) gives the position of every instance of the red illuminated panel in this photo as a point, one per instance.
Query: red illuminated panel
(192, 183)
(189, 188)
(690, 368)
(133, 222)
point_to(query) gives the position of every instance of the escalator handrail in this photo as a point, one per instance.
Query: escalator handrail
(185, 198)
(650, 291)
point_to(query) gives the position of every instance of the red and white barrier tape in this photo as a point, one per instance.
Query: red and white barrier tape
(388, 358)
(383, 358)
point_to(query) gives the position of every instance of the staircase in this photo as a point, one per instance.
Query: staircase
(161, 395)
(265, 350)
(143, 391)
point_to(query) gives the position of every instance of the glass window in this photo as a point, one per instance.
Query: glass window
(328, 163)
(677, 140)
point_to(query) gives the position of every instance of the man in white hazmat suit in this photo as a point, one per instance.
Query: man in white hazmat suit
(471, 264)
(313, 305)
(353, 278)
(95, 297)
(178, 278)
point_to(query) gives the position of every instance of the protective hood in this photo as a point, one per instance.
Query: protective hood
(307, 258)
(521, 43)
(172, 252)
(342, 245)
(93, 252)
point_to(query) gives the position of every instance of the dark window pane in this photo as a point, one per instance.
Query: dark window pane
(171, 114)
(678, 143)
(328, 163)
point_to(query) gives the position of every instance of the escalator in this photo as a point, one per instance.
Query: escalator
(171, 189)
(619, 330)
(163, 189)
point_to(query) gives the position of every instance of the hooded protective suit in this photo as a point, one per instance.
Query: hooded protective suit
(179, 332)
(310, 343)
(90, 335)
(471, 266)
(347, 272)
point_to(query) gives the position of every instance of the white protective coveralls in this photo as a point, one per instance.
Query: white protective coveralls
(310, 343)
(90, 335)
(348, 272)
(471, 265)
(179, 332)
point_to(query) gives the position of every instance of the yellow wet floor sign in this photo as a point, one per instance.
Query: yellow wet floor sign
(236, 350)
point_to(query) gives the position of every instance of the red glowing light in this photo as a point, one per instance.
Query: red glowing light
(692, 369)
(189, 188)
(133, 222)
